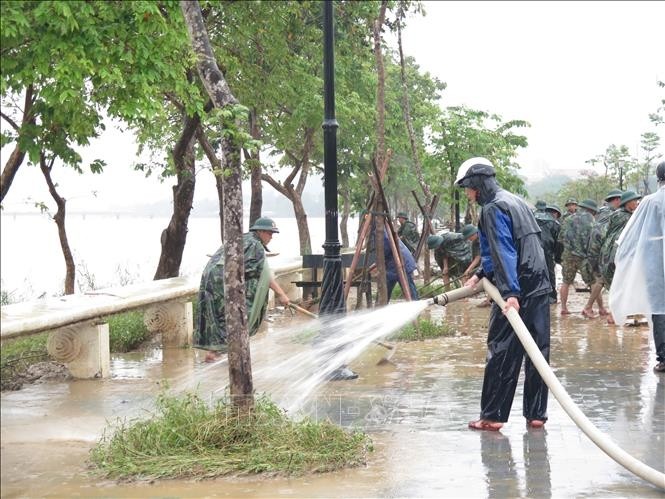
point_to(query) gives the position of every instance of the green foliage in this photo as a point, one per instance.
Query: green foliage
(187, 438)
(16, 355)
(591, 185)
(126, 331)
(618, 164)
(463, 133)
(89, 57)
(658, 118)
(423, 329)
(22, 347)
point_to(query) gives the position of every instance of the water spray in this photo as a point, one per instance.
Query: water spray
(605, 444)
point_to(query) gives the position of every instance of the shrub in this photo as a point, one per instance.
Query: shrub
(126, 331)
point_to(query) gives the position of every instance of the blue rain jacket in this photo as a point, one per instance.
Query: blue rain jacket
(391, 266)
(510, 251)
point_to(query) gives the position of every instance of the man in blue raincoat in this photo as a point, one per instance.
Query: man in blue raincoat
(512, 259)
(392, 276)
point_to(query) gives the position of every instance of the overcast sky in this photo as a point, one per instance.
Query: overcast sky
(582, 73)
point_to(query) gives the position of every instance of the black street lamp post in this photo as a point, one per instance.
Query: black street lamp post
(332, 292)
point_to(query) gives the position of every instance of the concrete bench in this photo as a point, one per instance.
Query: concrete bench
(79, 337)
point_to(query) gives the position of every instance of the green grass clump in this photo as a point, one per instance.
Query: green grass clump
(423, 329)
(16, 355)
(126, 331)
(186, 438)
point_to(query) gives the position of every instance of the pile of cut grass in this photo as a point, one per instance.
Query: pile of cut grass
(423, 329)
(186, 438)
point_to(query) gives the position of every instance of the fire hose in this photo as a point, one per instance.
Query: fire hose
(610, 448)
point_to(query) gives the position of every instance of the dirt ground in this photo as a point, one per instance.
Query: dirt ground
(41, 372)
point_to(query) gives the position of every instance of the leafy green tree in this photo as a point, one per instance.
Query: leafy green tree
(464, 133)
(90, 58)
(658, 118)
(649, 144)
(590, 185)
(240, 367)
(618, 164)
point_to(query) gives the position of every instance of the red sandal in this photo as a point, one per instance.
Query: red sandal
(482, 424)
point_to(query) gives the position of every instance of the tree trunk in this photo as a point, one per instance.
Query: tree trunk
(343, 223)
(381, 284)
(303, 227)
(70, 268)
(294, 194)
(174, 236)
(256, 202)
(240, 367)
(18, 155)
(217, 173)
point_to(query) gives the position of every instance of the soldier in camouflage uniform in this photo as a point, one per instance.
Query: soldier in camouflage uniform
(452, 253)
(211, 332)
(549, 234)
(555, 213)
(575, 237)
(408, 232)
(571, 208)
(596, 237)
(617, 221)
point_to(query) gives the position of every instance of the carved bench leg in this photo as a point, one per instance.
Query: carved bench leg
(84, 349)
(174, 320)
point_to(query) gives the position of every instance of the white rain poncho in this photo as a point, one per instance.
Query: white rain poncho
(639, 279)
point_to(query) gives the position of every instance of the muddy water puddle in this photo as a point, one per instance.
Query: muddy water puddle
(416, 409)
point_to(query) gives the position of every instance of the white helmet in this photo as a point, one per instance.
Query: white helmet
(471, 167)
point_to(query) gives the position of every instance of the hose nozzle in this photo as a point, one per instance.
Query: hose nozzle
(445, 298)
(441, 299)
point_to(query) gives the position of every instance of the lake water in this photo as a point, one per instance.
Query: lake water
(115, 250)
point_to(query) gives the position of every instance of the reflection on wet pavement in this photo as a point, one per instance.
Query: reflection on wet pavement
(416, 409)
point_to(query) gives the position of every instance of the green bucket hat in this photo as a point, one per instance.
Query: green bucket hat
(402, 214)
(570, 201)
(266, 224)
(434, 241)
(589, 204)
(629, 196)
(553, 207)
(541, 205)
(614, 193)
(469, 230)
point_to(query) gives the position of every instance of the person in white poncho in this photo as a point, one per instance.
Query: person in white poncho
(639, 279)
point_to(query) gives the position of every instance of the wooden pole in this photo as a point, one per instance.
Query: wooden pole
(393, 240)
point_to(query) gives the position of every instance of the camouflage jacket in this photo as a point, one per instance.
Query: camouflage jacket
(453, 246)
(576, 231)
(597, 235)
(615, 225)
(408, 233)
(211, 321)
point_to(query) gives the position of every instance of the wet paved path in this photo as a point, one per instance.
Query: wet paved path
(415, 409)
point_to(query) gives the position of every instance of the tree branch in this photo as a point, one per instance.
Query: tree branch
(276, 185)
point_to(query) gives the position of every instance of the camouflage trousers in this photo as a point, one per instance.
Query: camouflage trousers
(572, 264)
